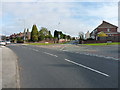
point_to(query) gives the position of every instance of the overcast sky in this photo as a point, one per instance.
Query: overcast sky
(71, 17)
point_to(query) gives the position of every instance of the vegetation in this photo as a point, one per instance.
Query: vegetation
(44, 34)
(97, 44)
(90, 39)
(40, 43)
(81, 36)
(60, 35)
(3, 37)
(55, 34)
(34, 34)
(19, 40)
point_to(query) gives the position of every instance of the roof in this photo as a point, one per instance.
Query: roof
(106, 25)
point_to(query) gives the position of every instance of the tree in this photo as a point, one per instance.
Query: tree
(81, 35)
(34, 33)
(44, 34)
(55, 34)
(3, 37)
(19, 40)
(68, 37)
(50, 35)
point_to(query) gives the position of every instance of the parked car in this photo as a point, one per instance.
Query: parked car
(8, 42)
(2, 43)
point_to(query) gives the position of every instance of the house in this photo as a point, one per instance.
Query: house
(23, 35)
(109, 29)
(27, 34)
(87, 35)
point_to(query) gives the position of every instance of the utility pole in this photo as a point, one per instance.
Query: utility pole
(58, 33)
(24, 38)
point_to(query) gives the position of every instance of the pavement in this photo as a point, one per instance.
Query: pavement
(50, 68)
(10, 73)
(0, 68)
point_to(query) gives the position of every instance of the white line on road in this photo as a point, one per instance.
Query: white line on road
(88, 68)
(51, 54)
(64, 50)
(35, 50)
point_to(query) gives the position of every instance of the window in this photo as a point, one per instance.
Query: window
(108, 30)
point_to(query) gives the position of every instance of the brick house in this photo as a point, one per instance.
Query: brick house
(25, 35)
(109, 29)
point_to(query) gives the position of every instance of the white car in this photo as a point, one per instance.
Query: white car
(8, 42)
(2, 43)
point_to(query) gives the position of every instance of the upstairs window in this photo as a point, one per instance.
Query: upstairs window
(108, 30)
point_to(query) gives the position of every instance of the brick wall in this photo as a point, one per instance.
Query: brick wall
(105, 29)
(94, 41)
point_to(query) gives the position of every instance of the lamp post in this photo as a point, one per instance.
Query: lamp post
(58, 33)
(24, 28)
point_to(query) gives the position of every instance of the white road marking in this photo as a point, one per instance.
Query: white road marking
(51, 54)
(64, 50)
(35, 50)
(88, 68)
(23, 47)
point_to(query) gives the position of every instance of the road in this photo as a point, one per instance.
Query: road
(46, 68)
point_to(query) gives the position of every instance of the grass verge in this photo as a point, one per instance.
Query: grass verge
(40, 43)
(114, 43)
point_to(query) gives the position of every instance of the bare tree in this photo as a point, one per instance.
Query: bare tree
(81, 35)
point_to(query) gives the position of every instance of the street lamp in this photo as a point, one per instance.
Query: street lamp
(23, 27)
(58, 33)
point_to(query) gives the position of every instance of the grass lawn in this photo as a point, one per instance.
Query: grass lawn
(40, 43)
(114, 43)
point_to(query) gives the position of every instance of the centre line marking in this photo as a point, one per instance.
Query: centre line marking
(88, 68)
(51, 54)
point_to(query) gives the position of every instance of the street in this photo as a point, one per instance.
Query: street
(47, 68)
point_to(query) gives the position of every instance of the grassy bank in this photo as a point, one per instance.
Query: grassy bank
(114, 43)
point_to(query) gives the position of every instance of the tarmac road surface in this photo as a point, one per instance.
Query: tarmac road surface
(46, 68)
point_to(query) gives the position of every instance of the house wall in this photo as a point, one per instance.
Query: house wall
(99, 41)
(112, 38)
(105, 29)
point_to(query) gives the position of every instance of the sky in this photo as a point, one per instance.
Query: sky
(70, 16)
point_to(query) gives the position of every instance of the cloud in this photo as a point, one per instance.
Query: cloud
(73, 17)
(106, 10)
(60, 0)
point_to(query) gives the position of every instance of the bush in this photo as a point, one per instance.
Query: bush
(90, 39)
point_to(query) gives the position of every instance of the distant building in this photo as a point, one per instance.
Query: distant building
(109, 29)
(0, 38)
(87, 35)
(25, 35)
